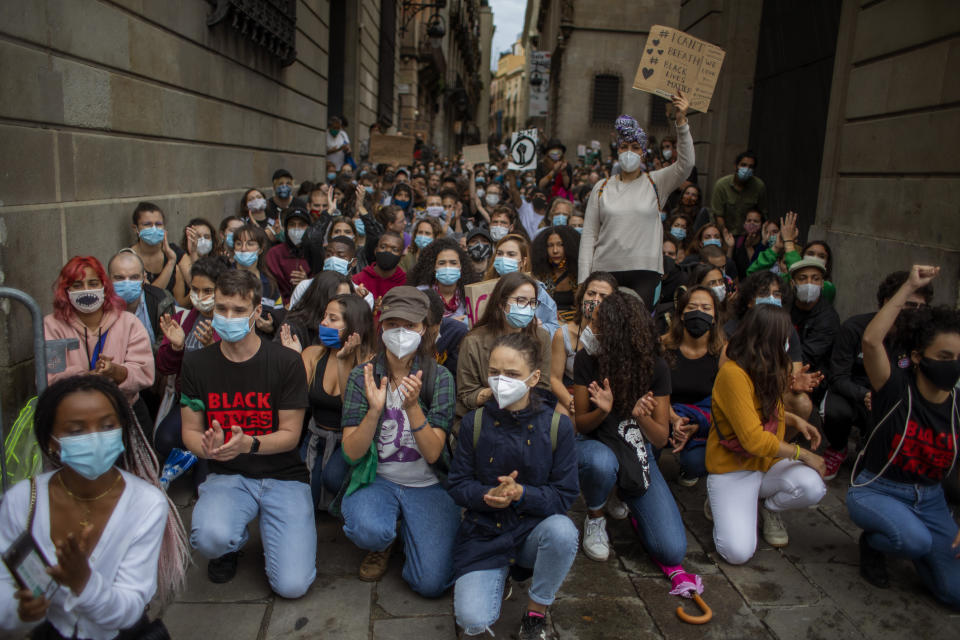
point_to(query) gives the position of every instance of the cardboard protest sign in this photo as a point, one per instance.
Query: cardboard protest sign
(476, 154)
(673, 60)
(476, 296)
(396, 150)
(523, 150)
(581, 149)
(595, 145)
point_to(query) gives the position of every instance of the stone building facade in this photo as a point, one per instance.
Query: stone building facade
(106, 104)
(507, 93)
(595, 48)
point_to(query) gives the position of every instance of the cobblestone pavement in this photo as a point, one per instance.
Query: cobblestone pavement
(810, 589)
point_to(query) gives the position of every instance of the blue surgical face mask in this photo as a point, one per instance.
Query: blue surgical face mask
(663, 216)
(231, 329)
(559, 220)
(129, 290)
(358, 225)
(772, 240)
(331, 176)
(91, 454)
(744, 173)
(333, 263)
(329, 337)
(519, 317)
(368, 189)
(504, 265)
(403, 204)
(228, 238)
(578, 229)
(678, 232)
(152, 235)
(284, 190)
(768, 300)
(448, 275)
(245, 258)
(712, 242)
(423, 241)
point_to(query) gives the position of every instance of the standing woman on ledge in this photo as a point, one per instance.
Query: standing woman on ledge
(622, 230)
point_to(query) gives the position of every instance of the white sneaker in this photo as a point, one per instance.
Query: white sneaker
(596, 544)
(774, 531)
(707, 511)
(616, 509)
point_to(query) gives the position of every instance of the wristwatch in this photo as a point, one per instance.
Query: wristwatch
(255, 445)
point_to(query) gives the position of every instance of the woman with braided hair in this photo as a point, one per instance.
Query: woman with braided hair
(113, 537)
(622, 228)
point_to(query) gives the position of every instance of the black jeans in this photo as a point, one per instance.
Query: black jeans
(643, 282)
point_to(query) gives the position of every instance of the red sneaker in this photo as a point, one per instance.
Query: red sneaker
(832, 460)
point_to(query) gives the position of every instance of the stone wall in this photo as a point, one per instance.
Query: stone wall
(891, 171)
(720, 134)
(105, 104)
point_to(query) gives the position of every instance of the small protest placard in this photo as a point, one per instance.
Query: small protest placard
(523, 150)
(476, 295)
(396, 150)
(476, 154)
(674, 60)
(581, 149)
(595, 145)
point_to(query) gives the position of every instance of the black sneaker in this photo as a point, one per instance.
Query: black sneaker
(533, 626)
(873, 564)
(222, 569)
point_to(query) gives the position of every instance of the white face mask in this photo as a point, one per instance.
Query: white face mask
(629, 161)
(203, 305)
(87, 300)
(296, 236)
(257, 204)
(808, 293)
(506, 390)
(720, 291)
(204, 246)
(497, 232)
(401, 342)
(493, 199)
(667, 154)
(590, 342)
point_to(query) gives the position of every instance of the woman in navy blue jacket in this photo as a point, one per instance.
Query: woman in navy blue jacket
(515, 472)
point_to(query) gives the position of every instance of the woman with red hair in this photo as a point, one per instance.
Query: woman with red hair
(113, 342)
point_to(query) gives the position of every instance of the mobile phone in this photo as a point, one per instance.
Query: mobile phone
(28, 565)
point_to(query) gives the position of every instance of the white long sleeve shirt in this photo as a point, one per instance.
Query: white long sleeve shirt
(123, 576)
(622, 230)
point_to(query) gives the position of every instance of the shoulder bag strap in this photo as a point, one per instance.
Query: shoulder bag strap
(554, 429)
(477, 425)
(33, 504)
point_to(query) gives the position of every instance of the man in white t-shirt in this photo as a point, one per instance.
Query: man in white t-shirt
(338, 143)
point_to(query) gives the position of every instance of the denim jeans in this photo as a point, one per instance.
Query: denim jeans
(910, 520)
(661, 528)
(329, 477)
(428, 525)
(227, 504)
(549, 550)
(692, 459)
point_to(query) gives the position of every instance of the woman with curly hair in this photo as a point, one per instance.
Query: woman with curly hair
(747, 456)
(555, 254)
(622, 227)
(425, 231)
(897, 497)
(621, 391)
(446, 268)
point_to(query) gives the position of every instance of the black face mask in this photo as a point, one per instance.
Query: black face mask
(479, 251)
(942, 373)
(697, 323)
(539, 203)
(387, 260)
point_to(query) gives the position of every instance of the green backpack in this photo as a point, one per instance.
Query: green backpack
(478, 425)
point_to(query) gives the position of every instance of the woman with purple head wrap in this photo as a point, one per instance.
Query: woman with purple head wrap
(622, 230)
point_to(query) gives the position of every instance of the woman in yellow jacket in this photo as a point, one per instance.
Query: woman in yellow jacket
(747, 457)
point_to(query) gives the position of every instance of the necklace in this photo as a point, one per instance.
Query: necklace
(85, 518)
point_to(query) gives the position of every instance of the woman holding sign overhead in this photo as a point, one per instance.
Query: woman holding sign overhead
(622, 231)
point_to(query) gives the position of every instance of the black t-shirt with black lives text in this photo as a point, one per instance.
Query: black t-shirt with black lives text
(585, 371)
(249, 394)
(928, 449)
(692, 380)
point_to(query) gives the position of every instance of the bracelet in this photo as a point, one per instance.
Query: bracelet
(424, 425)
(796, 456)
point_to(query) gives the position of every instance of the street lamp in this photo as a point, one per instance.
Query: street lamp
(411, 8)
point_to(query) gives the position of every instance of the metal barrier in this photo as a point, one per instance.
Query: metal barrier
(39, 362)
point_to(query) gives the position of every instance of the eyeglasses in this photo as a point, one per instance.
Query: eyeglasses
(523, 302)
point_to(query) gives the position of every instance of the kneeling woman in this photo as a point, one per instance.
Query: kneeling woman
(621, 392)
(99, 517)
(397, 411)
(747, 457)
(515, 473)
(898, 498)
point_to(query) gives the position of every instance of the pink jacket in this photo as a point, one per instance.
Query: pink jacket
(126, 342)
